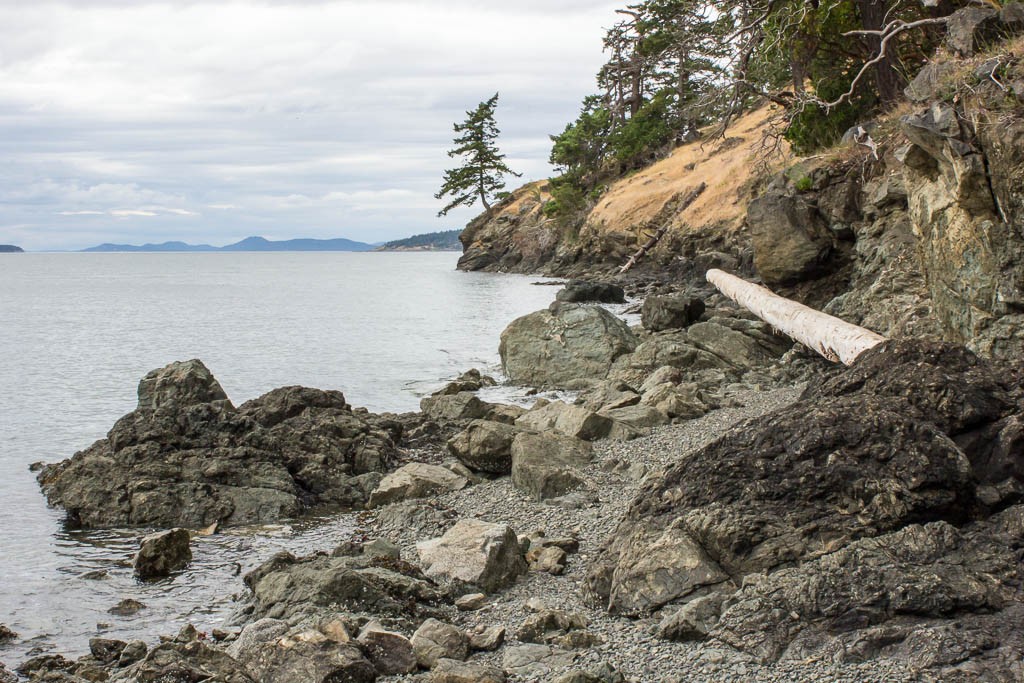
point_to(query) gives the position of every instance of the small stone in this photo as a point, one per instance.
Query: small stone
(487, 639)
(551, 560)
(6, 634)
(471, 602)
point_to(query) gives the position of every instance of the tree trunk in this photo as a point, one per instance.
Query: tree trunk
(833, 338)
(887, 79)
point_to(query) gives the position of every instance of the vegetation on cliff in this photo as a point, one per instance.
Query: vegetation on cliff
(447, 240)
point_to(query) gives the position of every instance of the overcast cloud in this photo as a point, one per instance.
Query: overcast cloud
(128, 121)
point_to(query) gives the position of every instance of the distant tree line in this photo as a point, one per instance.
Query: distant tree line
(446, 240)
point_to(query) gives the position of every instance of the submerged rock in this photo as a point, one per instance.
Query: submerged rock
(187, 457)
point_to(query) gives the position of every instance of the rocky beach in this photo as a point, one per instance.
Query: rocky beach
(707, 501)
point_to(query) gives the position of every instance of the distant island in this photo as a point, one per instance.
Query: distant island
(431, 241)
(10, 249)
(248, 244)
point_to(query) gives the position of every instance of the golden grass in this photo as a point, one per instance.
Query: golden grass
(725, 166)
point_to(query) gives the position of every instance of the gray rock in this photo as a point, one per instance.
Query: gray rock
(390, 653)
(535, 660)
(162, 553)
(694, 620)
(931, 82)
(187, 457)
(504, 413)
(486, 638)
(470, 602)
(549, 624)
(669, 312)
(608, 394)
(791, 241)
(415, 480)
(286, 587)
(135, 651)
(681, 401)
(579, 291)
(663, 375)
(545, 465)
(555, 348)
(550, 559)
(476, 553)
(436, 640)
(566, 418)
(453, 671)
(380, 547)
(106, 650)
(464, 405)
(968, 29)
(193, 661)
(640, 417)
(308, 655)
(484, 446)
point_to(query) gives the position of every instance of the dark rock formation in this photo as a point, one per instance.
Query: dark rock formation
(848, 515)
(580, 291)
(668, 312)
(187, 457)
(790, 239)
(162, 553)
(485, 446)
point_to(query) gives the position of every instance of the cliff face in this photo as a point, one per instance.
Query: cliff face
(921, 236)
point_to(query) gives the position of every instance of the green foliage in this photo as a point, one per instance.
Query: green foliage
(645, 135)
(483, 168)
(448, 239)
(804, 183)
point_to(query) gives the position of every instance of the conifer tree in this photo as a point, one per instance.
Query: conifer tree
(480, 175)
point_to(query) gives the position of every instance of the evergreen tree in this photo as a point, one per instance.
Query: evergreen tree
(480, 176)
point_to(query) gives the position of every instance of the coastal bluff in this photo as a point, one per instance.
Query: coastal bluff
(10, 249)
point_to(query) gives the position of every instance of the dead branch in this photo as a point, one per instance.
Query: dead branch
(687, 200)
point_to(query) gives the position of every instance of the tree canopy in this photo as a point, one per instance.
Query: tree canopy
(481, 174)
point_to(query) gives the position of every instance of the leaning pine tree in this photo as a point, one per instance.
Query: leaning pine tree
(480, 176)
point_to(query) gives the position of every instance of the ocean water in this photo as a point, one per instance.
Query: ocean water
(78, 331)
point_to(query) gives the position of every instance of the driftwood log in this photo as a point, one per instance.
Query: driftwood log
(656, 237)
(833, 338)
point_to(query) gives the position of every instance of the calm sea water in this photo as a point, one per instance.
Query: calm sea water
(78, 331)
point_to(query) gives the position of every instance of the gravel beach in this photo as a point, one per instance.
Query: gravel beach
(629, 645)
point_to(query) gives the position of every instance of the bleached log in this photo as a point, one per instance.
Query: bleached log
(833, 338)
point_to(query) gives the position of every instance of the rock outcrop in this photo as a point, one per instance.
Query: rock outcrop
(187, 457)
(851, 519)
(162, 553)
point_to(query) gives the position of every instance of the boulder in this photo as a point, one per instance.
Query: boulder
(126, 608)
(106, 650)
(484, 446)
(608, 394)
(436, 640)
(192, 661)
(545, 465)
(486, 638)
(390, 653)
(931, 82)
(305, 655)
(668, 312)
(454, 671)
(566, 418)
(790, 239)
(694, 620)
(162, 553)
(580, 291)
(560, 346)
(135, 651)
(187, 457)
(547, 625)
(504, 413)
(415, 480)
(639, 417)
(286, 587)
(475, 553)
(470, 602)
(675, 400)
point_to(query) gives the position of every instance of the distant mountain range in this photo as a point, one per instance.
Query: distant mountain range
(431, 241)
(248, 244)
(10, 249)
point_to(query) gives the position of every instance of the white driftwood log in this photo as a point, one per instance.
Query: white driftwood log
(833, 338)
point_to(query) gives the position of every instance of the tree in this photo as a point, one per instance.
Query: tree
(481, 173)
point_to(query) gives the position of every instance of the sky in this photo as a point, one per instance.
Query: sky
(130, 121)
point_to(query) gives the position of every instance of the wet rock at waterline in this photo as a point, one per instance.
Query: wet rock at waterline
(162, 553)
(188, 457)
(581, 291)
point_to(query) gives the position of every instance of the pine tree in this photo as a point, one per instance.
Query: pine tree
(480, 176)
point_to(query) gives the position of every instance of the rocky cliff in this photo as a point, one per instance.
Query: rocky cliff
(917, 230)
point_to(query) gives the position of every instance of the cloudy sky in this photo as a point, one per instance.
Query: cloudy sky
(208, 121)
